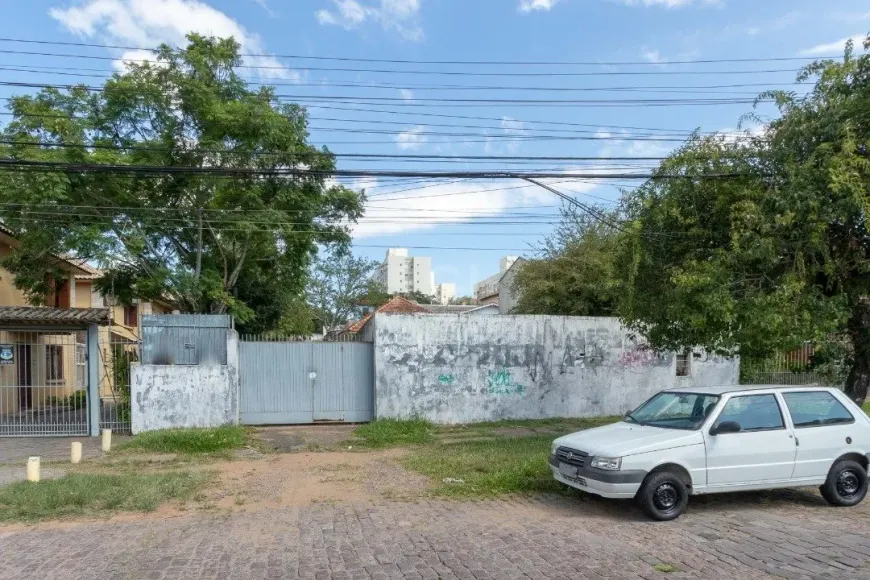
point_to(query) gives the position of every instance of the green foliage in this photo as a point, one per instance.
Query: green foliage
(121, 361)
(576, 273)
(210, 243)
(418, 297)
(395, 432)
(339, 284)
(77, 400)
(191, 441)
(90, 494)
(666, 568)
(773, 255)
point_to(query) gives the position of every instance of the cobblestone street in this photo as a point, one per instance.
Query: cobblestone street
(789, 535)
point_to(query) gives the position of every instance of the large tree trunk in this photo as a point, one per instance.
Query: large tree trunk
(859, 331)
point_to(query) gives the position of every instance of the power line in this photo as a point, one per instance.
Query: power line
(443, 62)
(298, 172)
(453, 102)
(703, 89)
(425, 72)
(315, 153)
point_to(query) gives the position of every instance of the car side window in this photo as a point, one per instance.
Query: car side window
(816, 408)
(753, 413)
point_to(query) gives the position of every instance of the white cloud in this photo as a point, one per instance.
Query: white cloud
(513, 128)
(651, 55)
(667, 3)
(411, 139)
(533, 5)
(401, 16)
(265, 6)
(407, 95)
(443, 205)
(151, 22)
(753, 31)
(836, 47)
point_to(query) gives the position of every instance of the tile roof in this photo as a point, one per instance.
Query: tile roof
(397, 304)
(35, 315)
(449, 308)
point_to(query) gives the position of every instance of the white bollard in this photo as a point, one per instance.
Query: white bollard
(76, 452)
(33, 469)
(107, 439)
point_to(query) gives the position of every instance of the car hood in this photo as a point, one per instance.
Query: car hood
(622, 439)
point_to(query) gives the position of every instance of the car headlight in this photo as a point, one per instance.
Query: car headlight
(553, 447)
(608, 463)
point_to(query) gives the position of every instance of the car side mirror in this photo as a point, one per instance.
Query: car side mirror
(726, 427)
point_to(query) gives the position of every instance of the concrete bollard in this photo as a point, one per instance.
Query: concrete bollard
(33, 469)
(76, 452)
(107, 440)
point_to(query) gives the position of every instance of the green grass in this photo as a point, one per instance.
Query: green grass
(488, 468)
(91, 494)
(216, 440)
(665, 568)
(395, 432)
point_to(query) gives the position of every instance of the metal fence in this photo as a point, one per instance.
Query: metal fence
(116, 358)
(346, 337)
(185, 339)
(790, 368)
(43, 379)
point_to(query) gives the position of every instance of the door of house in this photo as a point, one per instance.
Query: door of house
(305, 382)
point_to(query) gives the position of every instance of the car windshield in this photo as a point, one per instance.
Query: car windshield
(674, 410)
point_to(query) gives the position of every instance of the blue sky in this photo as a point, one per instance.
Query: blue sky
(401, 213)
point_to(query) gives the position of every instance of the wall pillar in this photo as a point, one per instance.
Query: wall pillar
(93, 369)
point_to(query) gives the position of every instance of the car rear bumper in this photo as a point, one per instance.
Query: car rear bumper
(614, 484)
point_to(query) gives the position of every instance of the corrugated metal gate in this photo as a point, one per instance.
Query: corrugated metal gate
(306, 382)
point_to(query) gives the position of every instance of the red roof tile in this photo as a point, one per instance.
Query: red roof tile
(397, 304)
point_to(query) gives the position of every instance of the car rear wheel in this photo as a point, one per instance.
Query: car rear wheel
(846, 484)
(663, 496)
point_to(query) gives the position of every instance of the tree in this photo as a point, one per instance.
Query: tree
(777, 252)
(211, 241)
(338, 286)
(417, 296)
(575, 272)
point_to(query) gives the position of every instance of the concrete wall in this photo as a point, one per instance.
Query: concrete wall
(174, 396)
(454, 369)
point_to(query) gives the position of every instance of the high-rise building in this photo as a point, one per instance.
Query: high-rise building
(445, 292)
(486, 291)
(401, 274)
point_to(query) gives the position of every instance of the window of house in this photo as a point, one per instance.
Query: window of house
(684, 364)
(53, 362)
(753, 413)
(131, 316)
(816, 408)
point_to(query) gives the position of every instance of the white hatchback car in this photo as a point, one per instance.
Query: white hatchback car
(686, 442)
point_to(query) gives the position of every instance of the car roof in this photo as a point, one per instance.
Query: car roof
(723, 389)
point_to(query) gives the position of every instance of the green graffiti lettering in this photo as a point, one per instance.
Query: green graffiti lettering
(446, 379)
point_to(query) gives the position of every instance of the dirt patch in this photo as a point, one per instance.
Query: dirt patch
(305, 478)
(306, 437)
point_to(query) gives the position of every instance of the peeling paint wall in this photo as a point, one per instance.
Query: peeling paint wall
(457, 369)
(176, 396)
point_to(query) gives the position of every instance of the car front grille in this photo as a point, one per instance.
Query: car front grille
(571, 456)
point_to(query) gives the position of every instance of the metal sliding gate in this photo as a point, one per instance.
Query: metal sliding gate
(305, 382)
(43, 383)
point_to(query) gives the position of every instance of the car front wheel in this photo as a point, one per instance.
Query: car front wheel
(846, 484)
(663, 496)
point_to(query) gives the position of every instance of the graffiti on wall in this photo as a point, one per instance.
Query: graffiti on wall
(446, 379)
(501, 382)
(639, 355)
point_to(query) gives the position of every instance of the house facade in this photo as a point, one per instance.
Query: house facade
(44, 367)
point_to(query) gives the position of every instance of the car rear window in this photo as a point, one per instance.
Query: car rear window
(816, 408)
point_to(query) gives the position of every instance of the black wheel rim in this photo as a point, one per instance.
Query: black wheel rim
(666, 497)
(848, 483)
